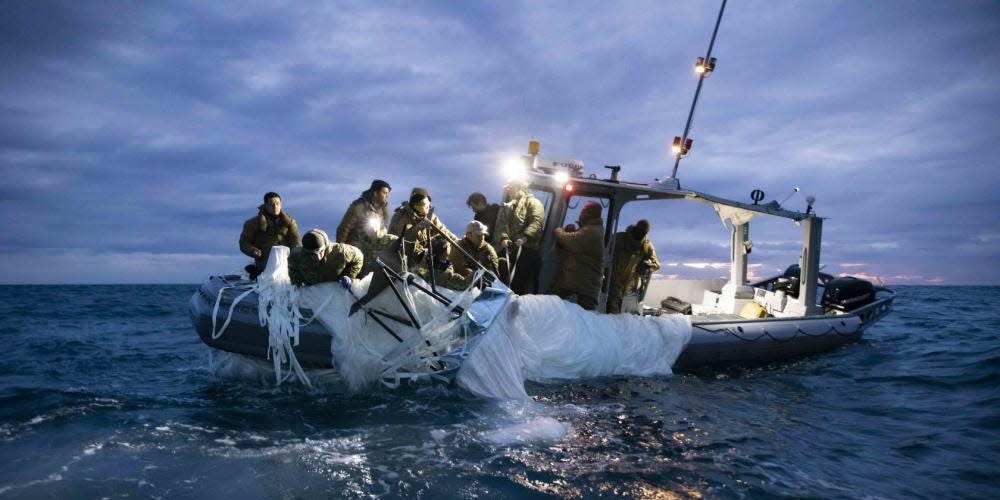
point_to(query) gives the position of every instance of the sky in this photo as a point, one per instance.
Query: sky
(136, 137)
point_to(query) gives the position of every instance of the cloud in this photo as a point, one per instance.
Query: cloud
(135, 129)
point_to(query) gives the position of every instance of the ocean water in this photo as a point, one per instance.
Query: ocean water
(106, 391)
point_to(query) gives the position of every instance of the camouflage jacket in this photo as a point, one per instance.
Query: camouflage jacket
(352, 227)
(521, 218)
(485, 255)
(371, 246)
(338, 259)
(263, 232)
(582, 258)
(627, 267)
(446, 277)
(404, 222)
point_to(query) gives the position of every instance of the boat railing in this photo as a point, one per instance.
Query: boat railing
(873, 312)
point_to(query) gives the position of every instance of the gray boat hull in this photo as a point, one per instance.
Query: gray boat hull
(713, 344)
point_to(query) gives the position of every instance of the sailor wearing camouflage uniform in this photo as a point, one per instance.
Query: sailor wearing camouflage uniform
(271, 226)
(365, 224)
(318, 260)
(634, 257)
(519, 234)
(406, 221)
(444, 271)
(475, 245)
(582, 253)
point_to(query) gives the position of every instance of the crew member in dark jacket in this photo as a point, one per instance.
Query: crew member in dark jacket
(271, 226)
(582, 250)
(486, 212)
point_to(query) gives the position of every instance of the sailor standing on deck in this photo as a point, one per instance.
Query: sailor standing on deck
(271, 226)
(582, 257)
(519, 235)
(634, 257)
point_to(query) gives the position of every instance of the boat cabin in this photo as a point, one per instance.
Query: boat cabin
(563, 188)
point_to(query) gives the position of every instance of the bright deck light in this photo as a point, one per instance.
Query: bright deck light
(561, 177)
(514, 169)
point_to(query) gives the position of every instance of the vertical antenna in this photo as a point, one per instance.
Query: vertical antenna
(706, 65)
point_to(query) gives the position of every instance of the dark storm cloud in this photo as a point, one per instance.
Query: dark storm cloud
(137, 135)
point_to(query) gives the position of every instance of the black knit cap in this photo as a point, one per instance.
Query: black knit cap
(379, 184)
(640, 229)
(418, 194)
(476, 197)
(310, 242)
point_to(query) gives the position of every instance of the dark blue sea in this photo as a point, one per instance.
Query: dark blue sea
(106, 391)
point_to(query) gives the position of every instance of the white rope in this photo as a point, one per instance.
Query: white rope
(278, 310)
(229, 317)
(517, 260)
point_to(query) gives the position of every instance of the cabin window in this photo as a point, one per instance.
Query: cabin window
(690, 241)
(545, 197)
(574, 204)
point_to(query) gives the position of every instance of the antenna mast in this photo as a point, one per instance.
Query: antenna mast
(703, 66)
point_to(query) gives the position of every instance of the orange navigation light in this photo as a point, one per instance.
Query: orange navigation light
(534, 147)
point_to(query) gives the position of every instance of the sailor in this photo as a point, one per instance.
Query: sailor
(366, 223)
(519, 235)
(635, 256)
(271, 226)
(582, 255)
(485, 212)
(370, 209)
(406, 221)
(318, 260)
(443, 271)
(475, 246)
